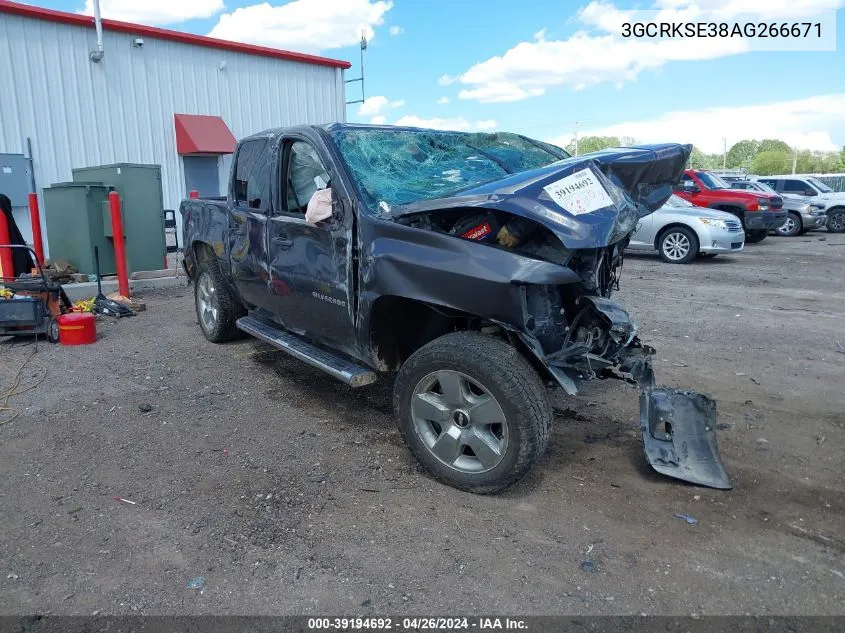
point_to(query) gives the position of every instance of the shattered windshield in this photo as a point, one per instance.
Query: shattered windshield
(398, 166)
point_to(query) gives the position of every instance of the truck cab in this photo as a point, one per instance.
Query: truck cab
(475, 269)
(759, 212)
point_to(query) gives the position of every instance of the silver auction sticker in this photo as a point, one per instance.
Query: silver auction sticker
(579, 193)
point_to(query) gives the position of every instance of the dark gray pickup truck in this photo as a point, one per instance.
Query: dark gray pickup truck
(475, 269)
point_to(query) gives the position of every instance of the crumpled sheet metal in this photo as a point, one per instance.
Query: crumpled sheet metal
(679, 434)
(637, 180)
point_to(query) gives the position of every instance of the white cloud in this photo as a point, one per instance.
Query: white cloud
(379, 120)
(598, 53)
(443, 100)
(155, 11)
(459, 123)
(802, 123)
(378, 104)
(395, 30)
(303, 25)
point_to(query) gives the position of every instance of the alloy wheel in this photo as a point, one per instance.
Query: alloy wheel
(207, 301)
(459, 421)
(676, 246)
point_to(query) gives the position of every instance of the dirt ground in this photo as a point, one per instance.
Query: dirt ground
(290, 493)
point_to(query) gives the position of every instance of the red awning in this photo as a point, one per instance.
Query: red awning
(202, 134)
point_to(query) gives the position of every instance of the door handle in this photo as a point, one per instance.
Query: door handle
(283, 242)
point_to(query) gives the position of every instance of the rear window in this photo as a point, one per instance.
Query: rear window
(252, 171)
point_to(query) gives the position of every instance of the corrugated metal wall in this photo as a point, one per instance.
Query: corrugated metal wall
(78, 113)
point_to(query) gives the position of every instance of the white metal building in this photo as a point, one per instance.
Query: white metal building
(131, 106)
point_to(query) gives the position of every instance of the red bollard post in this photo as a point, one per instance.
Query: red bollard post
(194, 194)
(6, 262)
(35, 220)
(119, 246)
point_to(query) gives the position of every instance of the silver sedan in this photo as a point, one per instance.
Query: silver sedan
(680, 231)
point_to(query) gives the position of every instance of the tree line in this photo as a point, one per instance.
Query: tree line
(763, 158)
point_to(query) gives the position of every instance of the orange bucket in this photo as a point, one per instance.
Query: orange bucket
(77, 328)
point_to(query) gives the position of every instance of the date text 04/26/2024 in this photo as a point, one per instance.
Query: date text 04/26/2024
(417, 624)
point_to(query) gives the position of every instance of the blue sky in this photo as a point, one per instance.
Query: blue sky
(539, 67)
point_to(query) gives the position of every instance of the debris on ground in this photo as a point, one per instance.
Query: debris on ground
(122, 500)
(12, 576)
(59, 271)
(197, 582)
(589, 566)
(689, 519)
(146, 407)
(133, 304)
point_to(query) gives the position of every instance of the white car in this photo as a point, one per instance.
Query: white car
(817, 191)
(680, 230)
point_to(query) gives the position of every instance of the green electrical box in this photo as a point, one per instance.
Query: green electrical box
(73, 212)
(142, 207)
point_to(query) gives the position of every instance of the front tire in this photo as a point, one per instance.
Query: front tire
(836, 221)
(754, 237)
(791, 227)
(473, 411)
(217, 309)
(678, 245)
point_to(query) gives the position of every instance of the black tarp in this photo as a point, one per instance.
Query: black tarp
(21, 259)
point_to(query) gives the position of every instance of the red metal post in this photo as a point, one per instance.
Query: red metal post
(194, 194)
(119, 246)
(35, 220)
(6, 262)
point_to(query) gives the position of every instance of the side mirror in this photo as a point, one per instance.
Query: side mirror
(810, 192)
(690, 187)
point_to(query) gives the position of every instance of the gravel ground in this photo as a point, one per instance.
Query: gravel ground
(289, 493)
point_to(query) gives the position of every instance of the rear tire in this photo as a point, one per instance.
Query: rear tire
(754, 237)
(836, 221)
(472, 411)
(217, 309)
(678, 245)
(792, 227)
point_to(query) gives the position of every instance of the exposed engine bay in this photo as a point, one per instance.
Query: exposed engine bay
(567, 222)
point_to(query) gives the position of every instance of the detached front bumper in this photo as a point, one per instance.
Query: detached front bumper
(764, 220)
(679, 427)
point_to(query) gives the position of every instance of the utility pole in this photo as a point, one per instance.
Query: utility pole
(576, 138)
(724, 152)
(794, 158)
(361, 78)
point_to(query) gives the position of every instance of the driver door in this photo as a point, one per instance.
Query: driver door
(311, 266)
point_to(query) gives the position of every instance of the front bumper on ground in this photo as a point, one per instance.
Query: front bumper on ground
(712, 240)
(764, 220)
(678, 426)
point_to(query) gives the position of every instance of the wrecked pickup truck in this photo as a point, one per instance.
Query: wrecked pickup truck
(476, 268)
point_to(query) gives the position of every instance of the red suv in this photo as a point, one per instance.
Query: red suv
(759, 212)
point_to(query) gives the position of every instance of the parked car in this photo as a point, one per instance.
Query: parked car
(833, 201)
(476, 268)
(802, 214)
(758, 212)
(680, 231)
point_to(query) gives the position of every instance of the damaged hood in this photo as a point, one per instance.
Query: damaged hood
(588, 201)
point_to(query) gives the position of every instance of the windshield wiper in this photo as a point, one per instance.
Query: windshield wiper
(491, 158)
